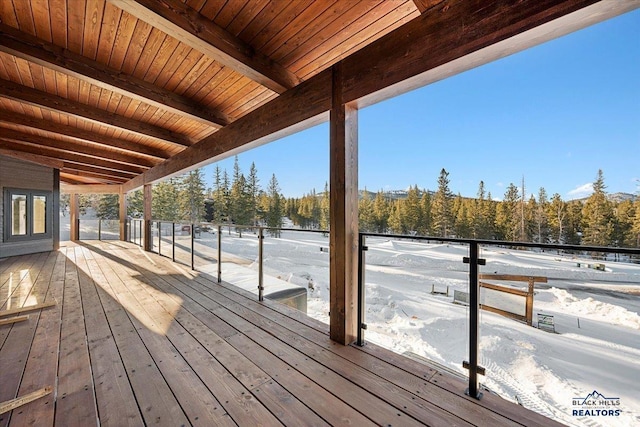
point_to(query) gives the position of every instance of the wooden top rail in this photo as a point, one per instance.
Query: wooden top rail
(514, 278)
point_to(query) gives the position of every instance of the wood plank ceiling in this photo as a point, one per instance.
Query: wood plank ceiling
(112, 88)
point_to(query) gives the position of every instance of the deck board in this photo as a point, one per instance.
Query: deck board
(144, 341)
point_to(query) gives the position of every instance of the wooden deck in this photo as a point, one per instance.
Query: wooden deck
(135, 339)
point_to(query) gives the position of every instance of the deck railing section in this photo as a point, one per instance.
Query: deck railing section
(98, 229)
(484, 278)
(249, 255)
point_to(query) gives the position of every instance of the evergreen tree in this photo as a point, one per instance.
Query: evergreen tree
(220, 208)
(623, 235)
(441, 206)
(462, 221)
(240, 203)
(164, 201)
(411, 212)
(597, 216)
(425, 208)
(135, 204)
(366, 215)
(191, 198)
(396, 225)
(275, 211)
(108, 207)
(381, 211)
(253, 188)
(507, 218)
(541, 217)
(557, 213)
(573, 226)
(325, 208)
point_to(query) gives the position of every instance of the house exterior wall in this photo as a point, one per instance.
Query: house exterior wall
(16, 173)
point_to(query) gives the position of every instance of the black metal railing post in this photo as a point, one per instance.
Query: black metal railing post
(173, 241)
(193, 236)
(219, 254)
(260, 259)
(361, 302)
(159, 237)
(474, 320)
(99, 229)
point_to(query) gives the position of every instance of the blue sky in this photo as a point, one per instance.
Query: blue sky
(553, 114)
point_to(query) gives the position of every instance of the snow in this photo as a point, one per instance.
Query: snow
(596, 347)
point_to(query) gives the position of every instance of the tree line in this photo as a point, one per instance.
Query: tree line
(596, 221)
(240, 200)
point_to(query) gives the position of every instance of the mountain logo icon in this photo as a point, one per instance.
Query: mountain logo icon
(595, 398)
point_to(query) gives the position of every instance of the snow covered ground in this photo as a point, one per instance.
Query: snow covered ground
(596, 347)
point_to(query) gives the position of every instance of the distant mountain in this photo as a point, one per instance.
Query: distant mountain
(621, 197)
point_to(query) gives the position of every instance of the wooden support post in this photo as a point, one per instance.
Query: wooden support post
(529, 303)
(343, 237)
(122, 200)
(74, 217)
(55, 207)
(147, 217)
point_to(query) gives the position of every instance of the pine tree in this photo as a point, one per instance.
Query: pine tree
(396, 224)
(275, 211)
(366, 215)
(108, 207)
(220, 208)
(425, 208)
(191, 196)
(135, 204)
(541, 217)
(597, 216)
(325, 208)
(623, 235)
(381, 211)
(240, 203)
(253, 188)
(164, 201)
(507, 219)
(557, 214)
(462, 221)
(574, 221)
(441, 206)
(411, 212)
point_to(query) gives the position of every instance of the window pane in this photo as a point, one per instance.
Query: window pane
(39, 214)
(19, 214)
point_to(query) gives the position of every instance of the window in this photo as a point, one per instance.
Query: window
(26, 214)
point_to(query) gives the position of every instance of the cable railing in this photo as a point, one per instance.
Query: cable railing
(497, 310)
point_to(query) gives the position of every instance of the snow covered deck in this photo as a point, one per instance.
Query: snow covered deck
(134, 339)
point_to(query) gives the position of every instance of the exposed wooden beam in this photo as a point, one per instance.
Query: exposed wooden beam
(442, 42)
(73, 177)
(91, 189)
(343, 239)
(423, 5)
(84, 135)
(73, 147)
(33, 158)
(65, 156)
(32, 49)
(87, 170)
(27, 95)
(187, 25)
